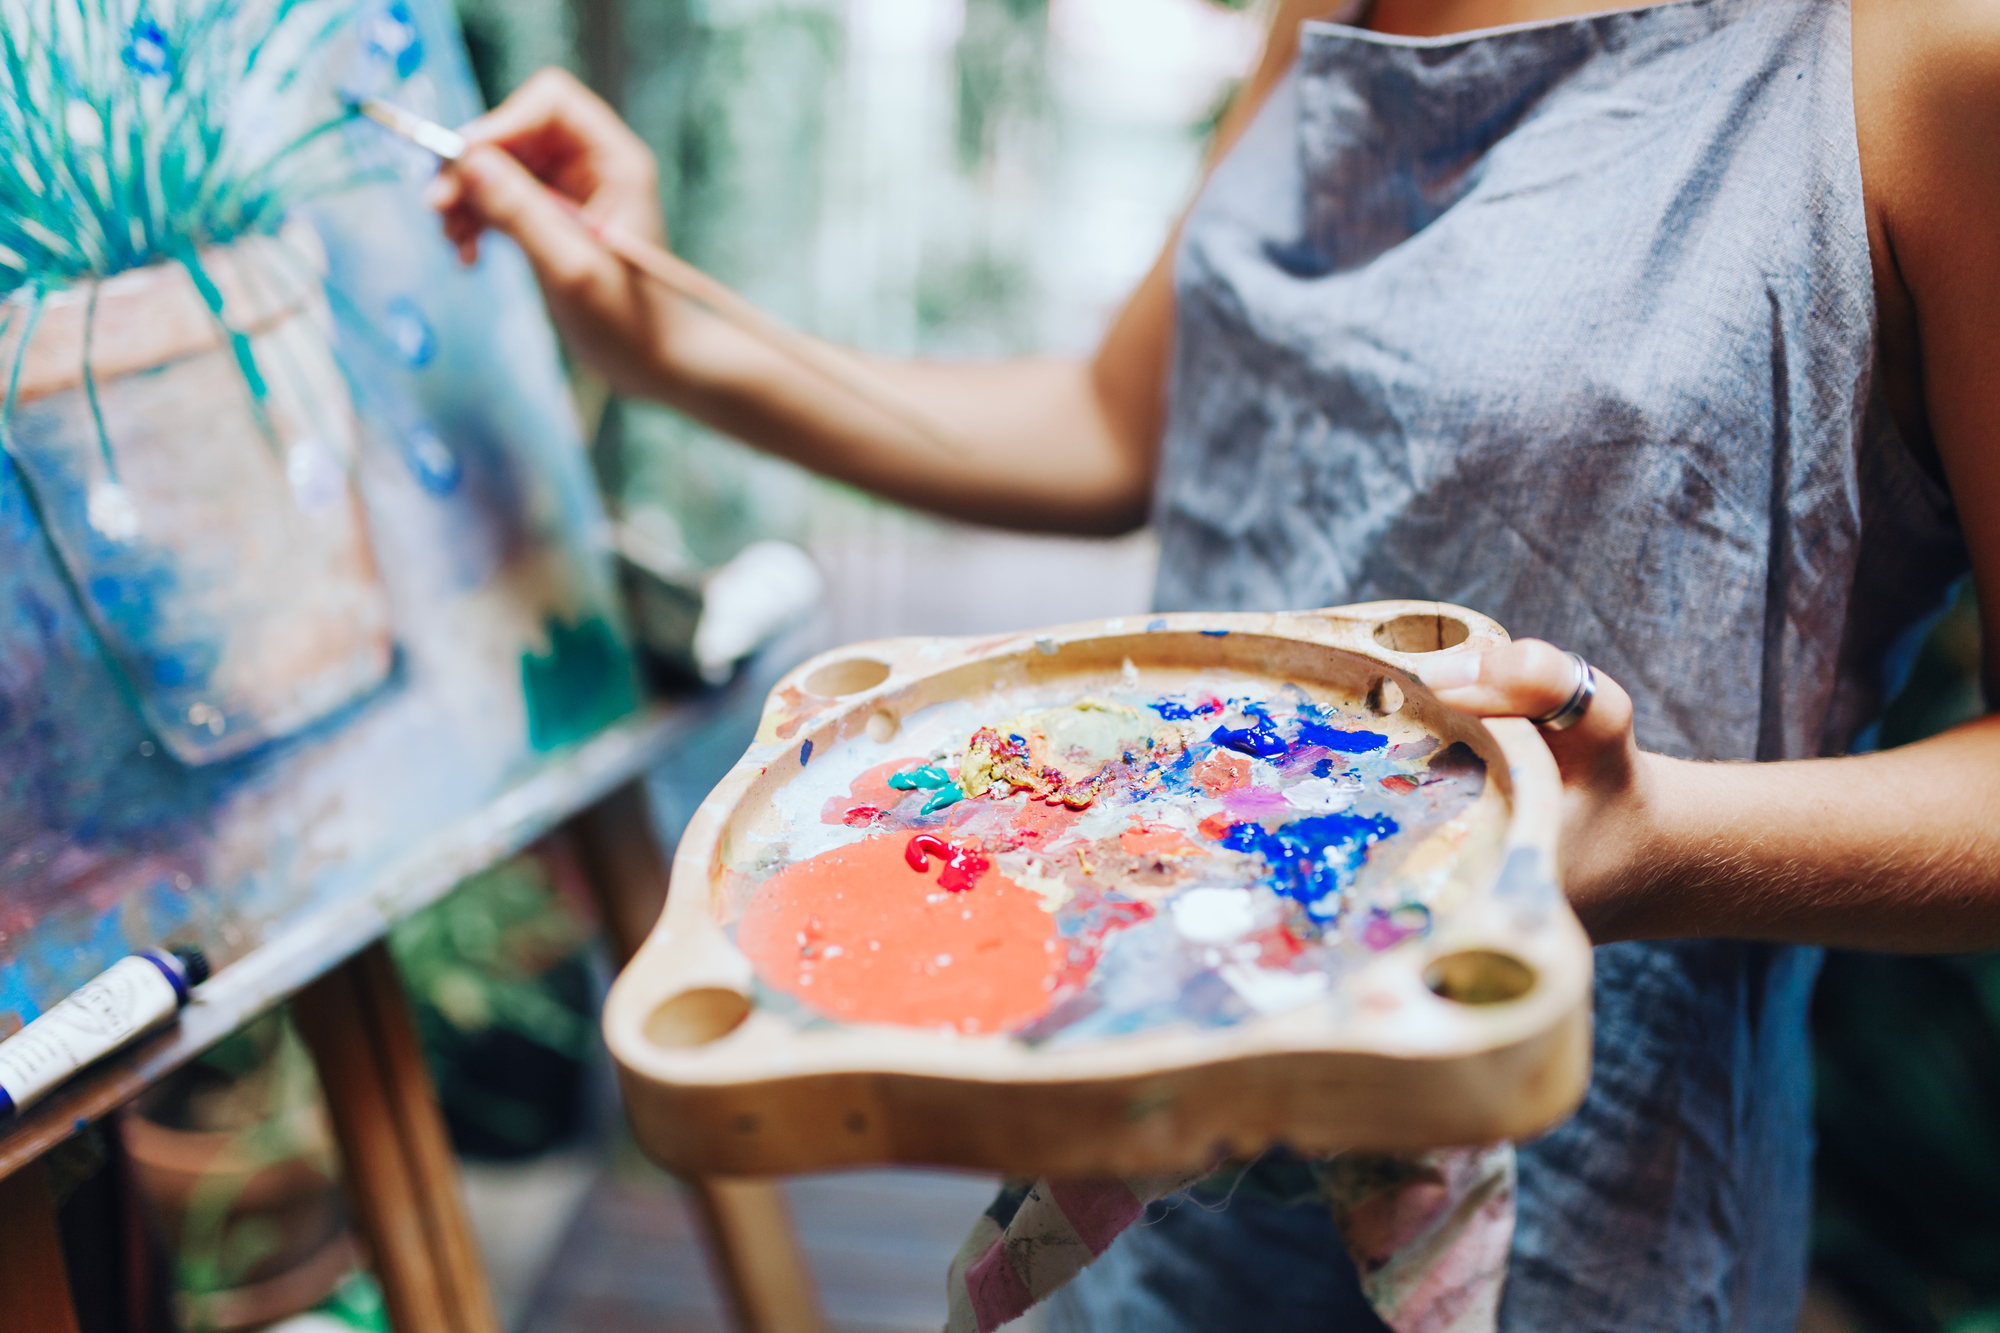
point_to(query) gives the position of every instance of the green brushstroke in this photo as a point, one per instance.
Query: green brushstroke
(583, 684)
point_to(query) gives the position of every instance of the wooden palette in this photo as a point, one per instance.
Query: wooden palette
(1297, 900)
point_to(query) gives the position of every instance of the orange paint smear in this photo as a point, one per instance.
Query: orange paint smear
(875, 950)
(871, 788)
(1155, 840)
(1221, 773)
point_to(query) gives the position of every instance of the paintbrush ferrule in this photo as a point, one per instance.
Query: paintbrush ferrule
(447, 144)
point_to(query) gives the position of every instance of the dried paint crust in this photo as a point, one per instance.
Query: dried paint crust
(1082, 868)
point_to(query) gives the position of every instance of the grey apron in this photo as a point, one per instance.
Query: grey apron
(1572, 323)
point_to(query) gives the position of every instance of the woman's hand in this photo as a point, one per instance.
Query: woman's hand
(556, 135)
(1607, 781)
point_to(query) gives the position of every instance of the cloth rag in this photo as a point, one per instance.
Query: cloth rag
(1428, 1233)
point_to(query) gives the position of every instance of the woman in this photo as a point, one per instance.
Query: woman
(1667, 336)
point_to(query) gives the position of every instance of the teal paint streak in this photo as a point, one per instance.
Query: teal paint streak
(583, 684)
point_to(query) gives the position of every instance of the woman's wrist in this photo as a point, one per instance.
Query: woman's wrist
(1625, 849)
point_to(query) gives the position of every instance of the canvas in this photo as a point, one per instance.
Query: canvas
(301, 559)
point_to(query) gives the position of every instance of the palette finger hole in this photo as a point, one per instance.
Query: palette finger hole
(1479, 977)
(883, 726)
(1422, 633)
(697, 1017)
(850, 675)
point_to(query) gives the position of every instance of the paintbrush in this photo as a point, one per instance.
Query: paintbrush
(691, 284)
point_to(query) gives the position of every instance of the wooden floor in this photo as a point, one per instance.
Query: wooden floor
(879, 1242)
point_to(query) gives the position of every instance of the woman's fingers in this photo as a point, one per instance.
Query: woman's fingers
(1530, 678)
(1525, 679)
(494, 189)
(570, 139)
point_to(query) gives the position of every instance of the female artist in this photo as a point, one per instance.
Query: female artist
(1669, 336)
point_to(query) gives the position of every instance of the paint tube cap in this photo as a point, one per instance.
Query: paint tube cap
(193, 962)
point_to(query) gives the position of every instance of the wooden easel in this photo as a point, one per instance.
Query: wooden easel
(398, 1164)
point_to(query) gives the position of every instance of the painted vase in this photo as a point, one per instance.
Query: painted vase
(198, 489)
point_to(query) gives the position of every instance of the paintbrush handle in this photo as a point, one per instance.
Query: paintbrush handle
(690, 283)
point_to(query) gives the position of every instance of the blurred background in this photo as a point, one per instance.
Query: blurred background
(956, 178)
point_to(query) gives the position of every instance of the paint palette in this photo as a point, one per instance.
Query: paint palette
(1113, 898)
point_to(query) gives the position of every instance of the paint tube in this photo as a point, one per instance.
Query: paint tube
(134, 996)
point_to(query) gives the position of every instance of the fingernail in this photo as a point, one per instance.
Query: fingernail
(1452, 672)
(438, 193)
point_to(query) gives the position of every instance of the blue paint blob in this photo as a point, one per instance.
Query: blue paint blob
(1156, 624)
(949, 794)
(1316, 728)
(1312, 860)
(928, 776)
(1323, 769)
(1262, 740)
(1314, 732)
(805, 754)
(1173, 710)
(1215, 634)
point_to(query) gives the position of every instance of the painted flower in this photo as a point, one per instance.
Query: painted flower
(432, 461)
(393, 38)
(415, 341)
(147, 52)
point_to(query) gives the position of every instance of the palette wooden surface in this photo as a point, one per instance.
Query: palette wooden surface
(1297, 900)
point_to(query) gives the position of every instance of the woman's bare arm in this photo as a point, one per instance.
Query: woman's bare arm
(1060, 445)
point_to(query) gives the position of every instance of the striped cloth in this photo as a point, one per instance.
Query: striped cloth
(1428, 1233)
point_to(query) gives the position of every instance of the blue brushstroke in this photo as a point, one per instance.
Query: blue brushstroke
(147, 52)
(1173, 710)
(432, 462)
(1313, 860)
(1155, 624)
(414, 339)
(394, 39)
(1215, 634)
(805, 754)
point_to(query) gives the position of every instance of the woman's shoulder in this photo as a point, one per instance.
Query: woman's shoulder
(1927, 109)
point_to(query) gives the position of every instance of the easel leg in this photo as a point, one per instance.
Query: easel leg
(34, 1284)
(749, 1227)
(396, 1159)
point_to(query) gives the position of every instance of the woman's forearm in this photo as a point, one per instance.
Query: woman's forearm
(1898, 850)
(1025, 444)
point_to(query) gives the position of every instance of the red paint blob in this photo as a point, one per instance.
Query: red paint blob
(862, 815)
(1399, 784)
(922, 848)
(883, 945)
(963, 870)
(962, 865)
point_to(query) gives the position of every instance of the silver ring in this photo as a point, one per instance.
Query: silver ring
(1572, 712)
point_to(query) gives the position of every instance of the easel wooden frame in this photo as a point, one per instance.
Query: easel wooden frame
(351, 1009)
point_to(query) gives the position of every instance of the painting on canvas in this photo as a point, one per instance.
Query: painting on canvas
(302, 556)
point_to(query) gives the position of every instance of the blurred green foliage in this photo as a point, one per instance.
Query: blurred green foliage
(499, 977)
(1906, 1221)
